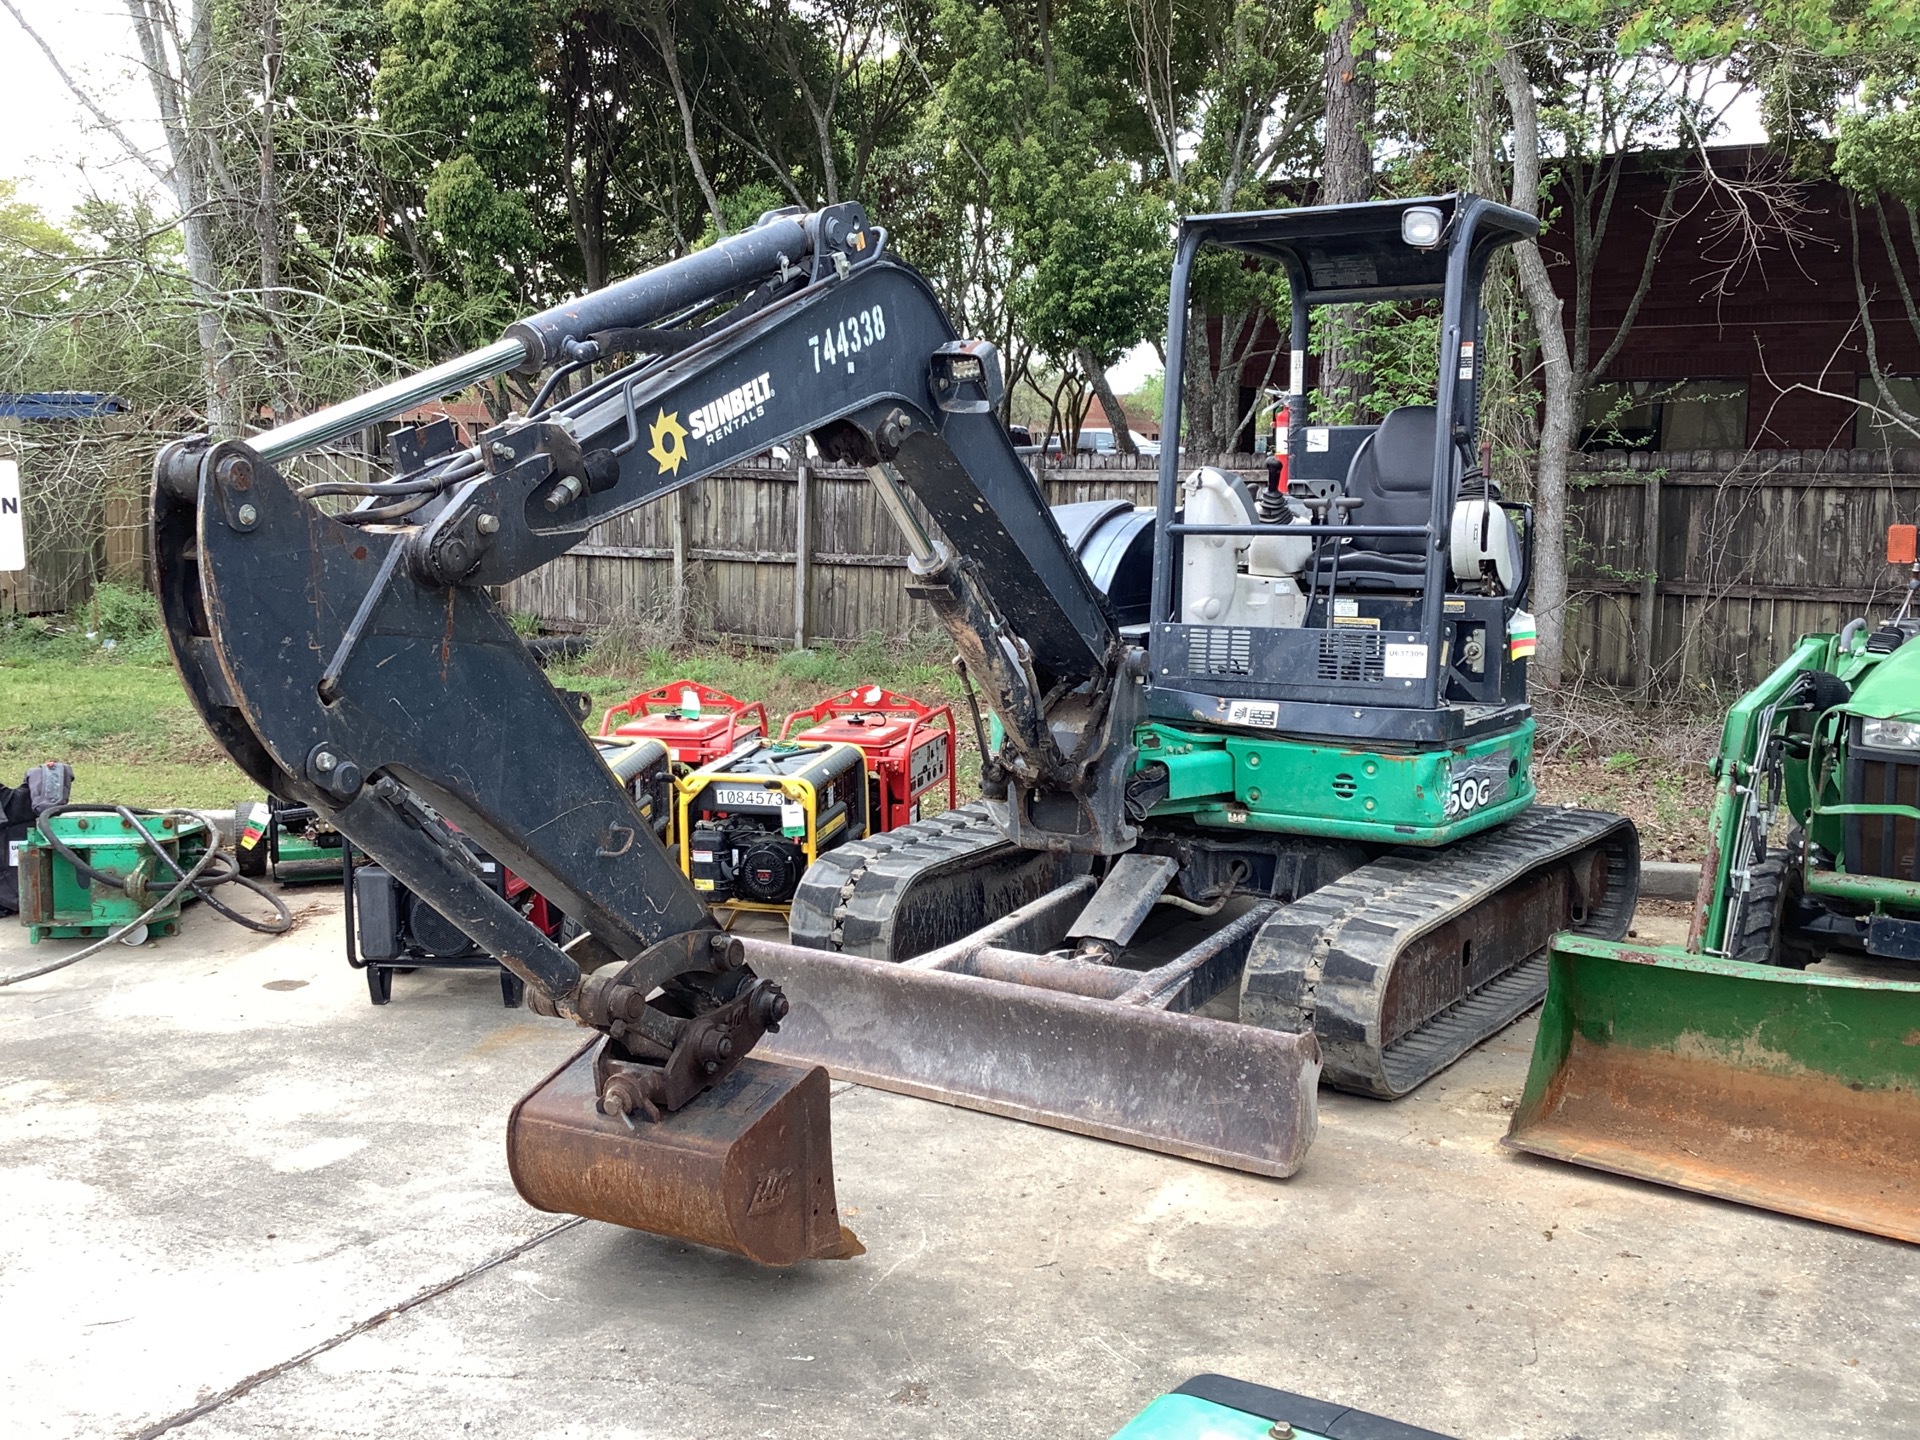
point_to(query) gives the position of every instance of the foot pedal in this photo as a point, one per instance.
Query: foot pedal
(747, 1167)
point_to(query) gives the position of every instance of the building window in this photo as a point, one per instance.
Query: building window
(1666, 415)
(1885, 432)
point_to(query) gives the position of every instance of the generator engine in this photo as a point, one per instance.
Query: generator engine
(755, 820)
(909, 747)
(392, 930)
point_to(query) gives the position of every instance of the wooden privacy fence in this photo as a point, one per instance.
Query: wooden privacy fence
(1687, 570)
(83, 488)
(771, 555)
(1698, 570)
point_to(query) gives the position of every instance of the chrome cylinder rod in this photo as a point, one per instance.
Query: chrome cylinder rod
(389, 400)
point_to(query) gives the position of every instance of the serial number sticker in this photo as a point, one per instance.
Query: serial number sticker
(1317, 440)
(487, 867)
(1346, 607)
(13, 853)
(734, 795)
(1261, 713)
(1405, 662)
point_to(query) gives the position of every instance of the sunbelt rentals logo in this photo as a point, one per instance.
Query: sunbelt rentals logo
(740, 406)
(669, 438)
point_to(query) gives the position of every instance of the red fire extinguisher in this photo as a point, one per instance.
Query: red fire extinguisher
(1277, 460)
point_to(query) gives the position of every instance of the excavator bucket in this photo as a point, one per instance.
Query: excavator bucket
(746, 1167)
(1796, 1091)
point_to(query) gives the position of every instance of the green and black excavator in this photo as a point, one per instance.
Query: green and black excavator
(1257, 793)
(1774, 1058)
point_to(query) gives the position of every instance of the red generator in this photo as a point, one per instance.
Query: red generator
(696, 724)
(909, 747)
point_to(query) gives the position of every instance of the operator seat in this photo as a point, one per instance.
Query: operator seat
(1392, 472)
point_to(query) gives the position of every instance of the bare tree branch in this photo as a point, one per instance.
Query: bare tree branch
(111, 126)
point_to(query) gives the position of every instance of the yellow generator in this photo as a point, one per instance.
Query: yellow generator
(645, 767)
(751, 822)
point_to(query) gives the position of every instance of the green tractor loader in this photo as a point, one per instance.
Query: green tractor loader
(1775, 1058)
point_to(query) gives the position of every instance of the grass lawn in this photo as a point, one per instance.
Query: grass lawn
(117, 713)
(118, 716)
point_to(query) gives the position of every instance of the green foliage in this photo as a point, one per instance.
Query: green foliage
(124, 612)
(1398, 353)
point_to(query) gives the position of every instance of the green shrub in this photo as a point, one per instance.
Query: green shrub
(124, 613)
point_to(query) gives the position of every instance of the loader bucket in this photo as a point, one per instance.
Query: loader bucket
(747, 1167)
(1210, 1090)
(1796, 1091)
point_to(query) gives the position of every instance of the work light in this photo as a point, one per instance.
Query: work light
(1420, 226)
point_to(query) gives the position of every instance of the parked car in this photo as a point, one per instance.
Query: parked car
(1099, 441)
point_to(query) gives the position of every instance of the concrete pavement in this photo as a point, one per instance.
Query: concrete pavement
(218, 1156)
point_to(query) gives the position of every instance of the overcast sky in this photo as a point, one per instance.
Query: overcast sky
(47, 141)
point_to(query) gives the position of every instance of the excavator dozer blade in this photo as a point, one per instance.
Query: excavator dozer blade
(1796, 1091)
(747, 1167)
(1210, 1090)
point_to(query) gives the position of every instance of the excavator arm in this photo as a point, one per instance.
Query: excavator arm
(354, 660)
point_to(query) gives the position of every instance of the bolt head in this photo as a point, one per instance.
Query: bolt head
(325, 761)
(487, 524)
(1281, 1431)
(246, 515)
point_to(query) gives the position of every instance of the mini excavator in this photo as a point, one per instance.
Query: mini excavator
(1256, 766)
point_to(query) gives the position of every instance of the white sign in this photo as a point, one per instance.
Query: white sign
(13, 525)
(1405, 662)
(1316, 440)
(1263, 713)
(731, 795)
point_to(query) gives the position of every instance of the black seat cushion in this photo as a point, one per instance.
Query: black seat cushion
(1392, 473)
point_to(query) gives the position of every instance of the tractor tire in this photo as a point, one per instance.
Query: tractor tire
(1763, 939)
(1760, 918)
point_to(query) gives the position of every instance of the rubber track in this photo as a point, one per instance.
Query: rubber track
(882, 897)
(1324, 961)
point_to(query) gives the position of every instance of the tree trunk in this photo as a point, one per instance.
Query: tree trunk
(174, 95)
(1109, 402)
(660, 22)
(1559, 421)
(1346, 177)
(273, 299)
